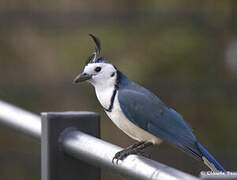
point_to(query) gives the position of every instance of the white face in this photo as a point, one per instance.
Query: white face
(103, 74)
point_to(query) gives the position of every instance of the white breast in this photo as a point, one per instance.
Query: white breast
(121, 121)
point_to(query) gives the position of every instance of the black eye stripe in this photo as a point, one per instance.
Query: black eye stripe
(97, 69)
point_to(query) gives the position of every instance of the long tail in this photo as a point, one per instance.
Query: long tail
(209, 160)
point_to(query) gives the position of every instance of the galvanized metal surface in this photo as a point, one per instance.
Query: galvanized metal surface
(101, 153)
(20, 119)
(92, 150)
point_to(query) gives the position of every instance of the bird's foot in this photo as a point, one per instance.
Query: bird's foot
(121, 155)
(133, 149)
(124, 153)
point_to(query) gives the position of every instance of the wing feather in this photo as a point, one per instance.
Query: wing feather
(149, 113)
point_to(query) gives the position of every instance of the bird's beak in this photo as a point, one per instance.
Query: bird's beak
(82, 77)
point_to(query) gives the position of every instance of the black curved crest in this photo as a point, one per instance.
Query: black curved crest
(96, 53)
(97, 43)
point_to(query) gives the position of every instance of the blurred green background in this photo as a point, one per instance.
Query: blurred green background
(184, 51)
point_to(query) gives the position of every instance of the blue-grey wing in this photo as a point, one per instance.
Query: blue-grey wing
(149, 113)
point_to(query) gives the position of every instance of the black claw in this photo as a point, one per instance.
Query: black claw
(116, 156)
(120, 155)
(133, 149)
(113, 160)
(117, 161)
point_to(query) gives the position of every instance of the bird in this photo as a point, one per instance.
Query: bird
(139, 113)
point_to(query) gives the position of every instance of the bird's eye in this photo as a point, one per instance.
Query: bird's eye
(97, 69)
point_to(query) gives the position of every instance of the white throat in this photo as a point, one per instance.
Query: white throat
(104, 92)
(104, 96)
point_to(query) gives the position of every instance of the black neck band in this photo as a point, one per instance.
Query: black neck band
(116, 87)
(111, 101)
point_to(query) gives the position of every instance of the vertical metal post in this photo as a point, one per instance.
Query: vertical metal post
(55, 164)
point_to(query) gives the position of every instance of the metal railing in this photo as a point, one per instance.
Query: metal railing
(80, 145)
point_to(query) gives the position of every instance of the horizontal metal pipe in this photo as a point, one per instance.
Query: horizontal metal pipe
(100, 153)
(19, 119)
(90, 149)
